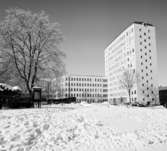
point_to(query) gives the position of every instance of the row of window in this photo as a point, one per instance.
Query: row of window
(145, 39)
(148, 96)
(144, 32)
(133, 92)
(86, 90)
(86, 95)
(145, 54)
(131, 51)
(146, 66)
(142, 50)
(146, 80)
(86, 84)
(145, 46)
(85, 79)
(111, 90)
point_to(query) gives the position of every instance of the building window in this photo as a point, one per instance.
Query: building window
(141, 50)
(144, 34)
(139, 29)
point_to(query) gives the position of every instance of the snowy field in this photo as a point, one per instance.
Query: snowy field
(84, 127)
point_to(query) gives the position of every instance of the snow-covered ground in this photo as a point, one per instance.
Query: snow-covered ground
(84, 127)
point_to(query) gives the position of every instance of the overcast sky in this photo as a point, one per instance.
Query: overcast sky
(89, 26)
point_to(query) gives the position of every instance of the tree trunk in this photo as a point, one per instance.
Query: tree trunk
(129, 96)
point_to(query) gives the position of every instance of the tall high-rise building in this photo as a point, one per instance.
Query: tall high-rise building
(85, 88)
(135, 50)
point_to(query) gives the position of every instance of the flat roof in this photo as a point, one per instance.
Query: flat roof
(135, 22)
(163, 88)
(102, 76)
(142, 23)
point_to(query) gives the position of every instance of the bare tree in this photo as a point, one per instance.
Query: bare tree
(50, 87)
(4, 66)
(61, 92)
(32, 43)
(127, 81)
(47, 88)
(84, 95)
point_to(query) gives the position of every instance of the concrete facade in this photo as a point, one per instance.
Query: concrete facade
(135, 50)
(85, 88)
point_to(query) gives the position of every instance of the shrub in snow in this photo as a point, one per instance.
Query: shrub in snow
(11, 97)
(5, 88)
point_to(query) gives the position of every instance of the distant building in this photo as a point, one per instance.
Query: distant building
(85, 88)
(134, 49)
(163, 95)
(49, 87)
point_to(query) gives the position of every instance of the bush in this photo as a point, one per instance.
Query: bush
(65, 100)
(20, 102)
(16, 101)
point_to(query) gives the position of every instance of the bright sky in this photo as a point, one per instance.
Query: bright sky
(89, 26)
